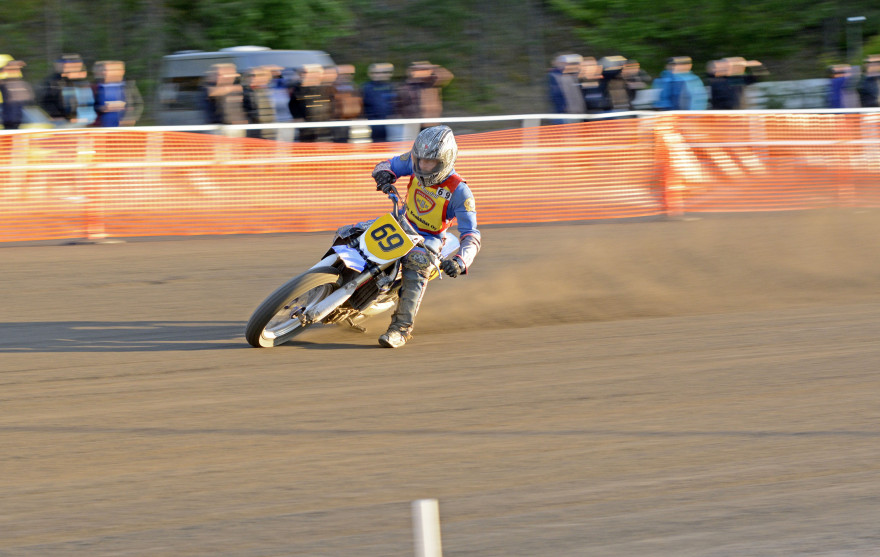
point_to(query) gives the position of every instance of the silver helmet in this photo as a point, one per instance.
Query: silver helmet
(434, 143)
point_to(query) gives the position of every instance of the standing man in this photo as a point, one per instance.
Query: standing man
(420, 96)
(566, 94)
(869, 82)
(109, 93)
(257, 101)
(15, 92)
(680, 88)
(380, 98)
(58, 93)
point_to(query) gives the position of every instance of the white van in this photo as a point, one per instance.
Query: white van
(180, 99)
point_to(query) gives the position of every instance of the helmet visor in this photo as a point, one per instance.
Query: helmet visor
(426, 166)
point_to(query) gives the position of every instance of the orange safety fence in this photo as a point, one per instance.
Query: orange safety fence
(95, 183)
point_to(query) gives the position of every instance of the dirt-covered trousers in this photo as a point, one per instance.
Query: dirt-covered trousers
(417, 266)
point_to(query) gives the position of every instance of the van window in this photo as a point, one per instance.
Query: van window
(180, 95)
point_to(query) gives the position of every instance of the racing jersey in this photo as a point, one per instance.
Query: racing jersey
(431, 209)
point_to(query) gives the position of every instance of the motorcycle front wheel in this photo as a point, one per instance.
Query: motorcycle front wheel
(277, 319)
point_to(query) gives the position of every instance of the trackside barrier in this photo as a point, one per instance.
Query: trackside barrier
(97, 183)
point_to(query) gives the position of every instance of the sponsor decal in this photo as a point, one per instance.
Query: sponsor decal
(427, 225)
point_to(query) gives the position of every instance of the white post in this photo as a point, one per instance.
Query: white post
(426, 528)
(854, 39)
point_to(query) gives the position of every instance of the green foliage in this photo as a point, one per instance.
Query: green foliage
(652, 30)
(872, 45)
(499, 50)
(282, 24)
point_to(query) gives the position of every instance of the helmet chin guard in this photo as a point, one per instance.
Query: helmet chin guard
(435, 143)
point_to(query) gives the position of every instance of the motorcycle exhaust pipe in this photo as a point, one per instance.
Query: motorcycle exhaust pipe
(323, 308)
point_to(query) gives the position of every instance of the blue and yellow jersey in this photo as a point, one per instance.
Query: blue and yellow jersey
(431, 209)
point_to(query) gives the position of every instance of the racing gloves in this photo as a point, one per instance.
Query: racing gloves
(453, 266)
(384, 180)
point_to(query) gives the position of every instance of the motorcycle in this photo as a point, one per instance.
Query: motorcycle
(358, 277)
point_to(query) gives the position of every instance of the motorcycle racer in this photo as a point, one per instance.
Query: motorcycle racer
(435, 196)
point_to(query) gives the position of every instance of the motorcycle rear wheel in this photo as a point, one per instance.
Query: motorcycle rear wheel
(276, 320)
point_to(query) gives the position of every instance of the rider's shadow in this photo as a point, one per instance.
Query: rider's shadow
(120, 336)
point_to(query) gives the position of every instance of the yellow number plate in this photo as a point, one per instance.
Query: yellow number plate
(385, 240)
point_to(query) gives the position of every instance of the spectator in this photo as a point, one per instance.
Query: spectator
(280, 85)
(841, 82)
(223, 96)
(566, 94)
(420, 96)
(345, 100)
(869, 82)
(590, 78)
(680, 88)
(257, 101)
(615, 95)
(380, 98)
(85, 95)
(57, 94)
(722, 95)
(15, 92)
(4, 59)
(310, 102)
(109, 93)
(728, 79)
(328, 78)
(134, 104)
(636, 79)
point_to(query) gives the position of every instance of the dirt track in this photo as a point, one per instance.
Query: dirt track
(665, 388)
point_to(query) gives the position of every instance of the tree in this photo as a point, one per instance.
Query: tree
(282, 24)
(652, 30)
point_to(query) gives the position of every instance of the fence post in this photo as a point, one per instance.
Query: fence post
(91, 192)
(670, 159)
(90, 188)
(426, 528)
(18, 160)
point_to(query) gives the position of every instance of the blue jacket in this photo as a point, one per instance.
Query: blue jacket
(105, 93)
(680, 91)
(554, 86)
(379, 100)
(836, 97)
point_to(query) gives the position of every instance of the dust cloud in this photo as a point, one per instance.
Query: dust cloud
(530, 276)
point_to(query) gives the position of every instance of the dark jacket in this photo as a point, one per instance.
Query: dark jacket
(869, 90)
(17, 94)
(58, 98)
(380, 100)
(310, 103)
(259, 108)
(615, 92)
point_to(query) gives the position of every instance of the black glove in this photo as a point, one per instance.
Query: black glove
(384, 180)
(452, 266)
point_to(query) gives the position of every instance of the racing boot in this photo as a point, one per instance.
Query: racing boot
(395, 337)
(416, 269)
